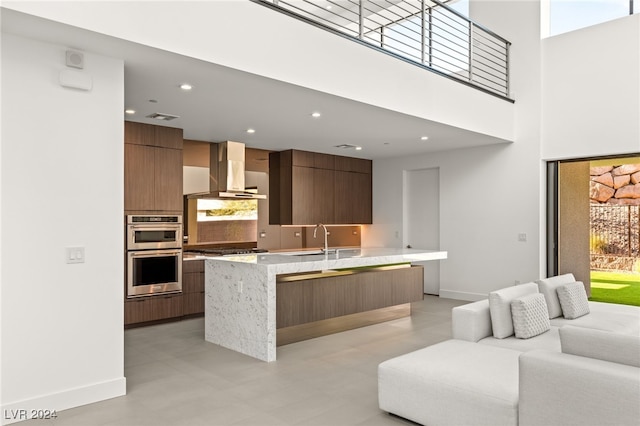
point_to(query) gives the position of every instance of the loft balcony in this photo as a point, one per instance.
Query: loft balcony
(427, 33)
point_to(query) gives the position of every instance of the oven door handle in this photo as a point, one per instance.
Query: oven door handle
(149, 253)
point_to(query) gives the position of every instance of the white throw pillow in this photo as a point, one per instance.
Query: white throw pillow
(530, 316)
(573, 299)
(600, 344)
(548, 287)
(500, 307)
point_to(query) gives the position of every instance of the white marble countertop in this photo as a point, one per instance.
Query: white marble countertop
(300, 261)
(240, 291)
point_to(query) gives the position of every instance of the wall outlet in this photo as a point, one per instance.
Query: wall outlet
(74, 254)
(239, 286)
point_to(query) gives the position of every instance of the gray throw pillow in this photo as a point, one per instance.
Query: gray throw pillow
(530, 316)
(573, 299)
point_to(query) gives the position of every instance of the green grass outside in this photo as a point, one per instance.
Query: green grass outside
(615, 287)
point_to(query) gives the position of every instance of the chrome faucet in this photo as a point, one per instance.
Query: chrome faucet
(326, 245)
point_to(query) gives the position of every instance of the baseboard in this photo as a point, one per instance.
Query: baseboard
(43, 406)
(462, 295)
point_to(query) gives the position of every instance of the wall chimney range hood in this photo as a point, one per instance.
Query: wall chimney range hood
(230, 180)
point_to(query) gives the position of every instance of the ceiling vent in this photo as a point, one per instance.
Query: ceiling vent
(348, 146)
(161, 116)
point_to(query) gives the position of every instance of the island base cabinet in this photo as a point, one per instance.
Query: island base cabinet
(152, 308)
(302, 301)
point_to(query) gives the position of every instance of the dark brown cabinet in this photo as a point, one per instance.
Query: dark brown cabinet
(309, 300)
(152, 308)
(307, 187)
(193, 287)
(153, 168)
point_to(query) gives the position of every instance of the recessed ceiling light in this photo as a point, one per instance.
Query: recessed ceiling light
(328, 7)
(186, 86)
(251, 130)
(130, 111)
(153, 101)
(315, 114)
(424, 138)
(358, 148)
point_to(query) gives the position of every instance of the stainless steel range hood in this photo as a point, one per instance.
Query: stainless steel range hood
(230, 181)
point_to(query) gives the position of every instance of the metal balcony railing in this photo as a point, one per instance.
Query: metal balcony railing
(427, 33)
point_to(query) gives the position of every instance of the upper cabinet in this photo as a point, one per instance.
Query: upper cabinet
(152, 168)
(307, 188)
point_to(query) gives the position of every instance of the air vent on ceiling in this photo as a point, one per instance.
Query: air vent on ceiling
(161, 116)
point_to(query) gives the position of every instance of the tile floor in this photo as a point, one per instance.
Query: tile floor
(176, 378)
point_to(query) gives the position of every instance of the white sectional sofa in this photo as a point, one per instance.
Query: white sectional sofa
(582, 371)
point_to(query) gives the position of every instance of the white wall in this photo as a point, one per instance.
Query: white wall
(488, 195)
(592, 91)
(246, 36)
(62, 185)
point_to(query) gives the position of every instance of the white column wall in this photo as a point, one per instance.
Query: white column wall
(488, 195)
(62, 186)
(592, 91)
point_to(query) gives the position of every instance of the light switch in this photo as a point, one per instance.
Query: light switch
(75, 254)
(522, 237)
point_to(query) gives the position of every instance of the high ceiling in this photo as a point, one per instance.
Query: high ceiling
(224, 102)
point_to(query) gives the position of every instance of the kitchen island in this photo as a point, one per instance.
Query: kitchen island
(240, 291)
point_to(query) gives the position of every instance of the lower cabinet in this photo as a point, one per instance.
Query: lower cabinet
(193, 287)
(170, 306)
(152, 308)
(301, 301)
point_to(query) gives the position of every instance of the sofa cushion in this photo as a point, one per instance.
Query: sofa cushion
(530, 316)
(549, 341)
(624, 319)
(603, 345)
(548, 287)
(452, 383)
(500, 307)
(573, 299)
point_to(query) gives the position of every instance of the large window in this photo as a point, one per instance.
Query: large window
(570, 15)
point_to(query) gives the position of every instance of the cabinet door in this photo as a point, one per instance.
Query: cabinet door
(193, 303)
(324, 196)
(168, 179)
(168, 137)
(312, 196)
(152, 308)
(352, 197)
(138, 177)
(303, 201)
(139, 133)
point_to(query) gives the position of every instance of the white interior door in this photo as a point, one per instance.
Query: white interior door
(422, 219)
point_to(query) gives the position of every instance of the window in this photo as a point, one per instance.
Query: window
(220, 210)
(227, 221)
(570, 15)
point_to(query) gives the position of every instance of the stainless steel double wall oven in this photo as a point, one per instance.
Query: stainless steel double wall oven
(154, 255)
